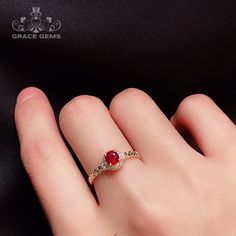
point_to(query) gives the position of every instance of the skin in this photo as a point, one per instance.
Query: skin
(173, 190)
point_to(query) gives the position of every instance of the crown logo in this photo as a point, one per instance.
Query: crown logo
(36, 24)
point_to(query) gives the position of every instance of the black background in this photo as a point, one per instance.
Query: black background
(170, 49)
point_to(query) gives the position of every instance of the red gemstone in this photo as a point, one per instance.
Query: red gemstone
(112, 157)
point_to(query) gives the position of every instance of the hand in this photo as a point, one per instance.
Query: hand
(172, 191)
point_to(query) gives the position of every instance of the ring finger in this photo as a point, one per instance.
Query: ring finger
(90, 130)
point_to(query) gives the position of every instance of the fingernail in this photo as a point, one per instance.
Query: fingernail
(27, 94)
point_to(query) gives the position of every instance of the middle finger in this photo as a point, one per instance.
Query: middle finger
(149, 131)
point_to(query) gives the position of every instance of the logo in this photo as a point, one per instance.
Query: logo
(36, 27)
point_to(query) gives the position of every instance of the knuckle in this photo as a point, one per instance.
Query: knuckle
(79, 104)
(204, 192)
(127, 95)
(71, 226)
(144, 216)
(190, 102)
(37, 154)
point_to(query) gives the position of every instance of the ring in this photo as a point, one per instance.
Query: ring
(112, 160)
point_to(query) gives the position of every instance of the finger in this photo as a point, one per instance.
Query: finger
(90, 130)
(148, 130)
(211, 129)
(59, 184)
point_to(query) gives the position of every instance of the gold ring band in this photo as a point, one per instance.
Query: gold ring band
(112, 160)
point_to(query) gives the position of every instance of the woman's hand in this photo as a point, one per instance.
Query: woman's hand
(172, 191)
